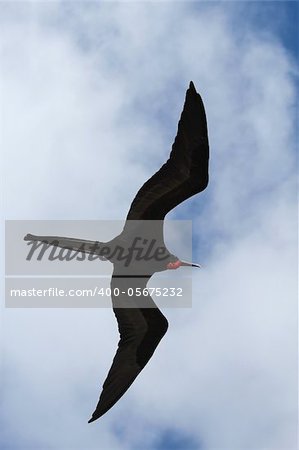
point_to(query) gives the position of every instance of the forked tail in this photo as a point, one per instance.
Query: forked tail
(81, 245)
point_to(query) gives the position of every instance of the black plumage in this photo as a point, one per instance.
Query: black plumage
(140, 322)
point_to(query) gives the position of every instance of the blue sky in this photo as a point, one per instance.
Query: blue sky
(92, 96)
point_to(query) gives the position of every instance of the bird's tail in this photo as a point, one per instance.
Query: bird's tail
(81, 245)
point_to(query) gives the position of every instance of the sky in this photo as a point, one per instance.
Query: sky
(91, 95)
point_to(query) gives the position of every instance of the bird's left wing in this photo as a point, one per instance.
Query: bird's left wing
(141, 327)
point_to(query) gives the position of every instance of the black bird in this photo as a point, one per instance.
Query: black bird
(140, 322)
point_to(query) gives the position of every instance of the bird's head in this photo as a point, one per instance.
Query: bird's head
(178, 263)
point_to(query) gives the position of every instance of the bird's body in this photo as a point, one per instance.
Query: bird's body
(140, 322)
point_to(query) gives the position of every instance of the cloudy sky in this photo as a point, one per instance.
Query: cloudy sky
(92, 93)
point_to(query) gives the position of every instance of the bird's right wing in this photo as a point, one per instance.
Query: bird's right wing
(186, 171)
(141, 327)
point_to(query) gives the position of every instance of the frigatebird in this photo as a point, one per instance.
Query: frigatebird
(141, 324)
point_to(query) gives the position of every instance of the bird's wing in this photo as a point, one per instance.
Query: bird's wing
(141, 326)
(186, 171)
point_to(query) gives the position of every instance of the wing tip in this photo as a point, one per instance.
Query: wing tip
(191, 86)
(92, 419)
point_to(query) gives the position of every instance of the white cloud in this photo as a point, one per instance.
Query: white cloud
(92, 95)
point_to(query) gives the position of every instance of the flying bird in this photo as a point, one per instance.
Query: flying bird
(141, 324)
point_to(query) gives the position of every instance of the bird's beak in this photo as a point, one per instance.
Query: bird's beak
(190, 264)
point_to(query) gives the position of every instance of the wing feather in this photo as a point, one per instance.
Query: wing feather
(186, 171)
(140, 329)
